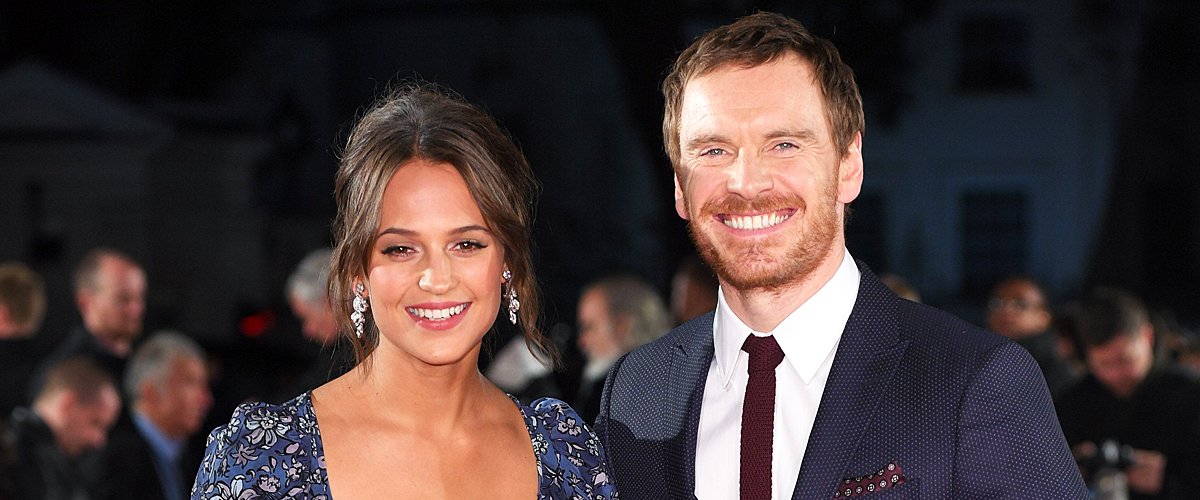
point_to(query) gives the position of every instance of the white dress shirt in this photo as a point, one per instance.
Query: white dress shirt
(809, 337)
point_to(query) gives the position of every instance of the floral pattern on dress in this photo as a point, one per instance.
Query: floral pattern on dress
(263, 453)
(274, 452)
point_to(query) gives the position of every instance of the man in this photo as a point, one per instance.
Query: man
(307, 295)
(1018, 310)
(110, 293)
(22, 308)
(167, 386)
(51, 443)
(1127, 400)
(763, 124)
(693, 290)
(615, 315)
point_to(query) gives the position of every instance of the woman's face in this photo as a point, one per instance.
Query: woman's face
(434, 274)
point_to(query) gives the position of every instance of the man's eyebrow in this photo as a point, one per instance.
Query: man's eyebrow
(804, 135)
(701, 140)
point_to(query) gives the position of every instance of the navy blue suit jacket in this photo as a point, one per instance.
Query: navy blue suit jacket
(965, 413)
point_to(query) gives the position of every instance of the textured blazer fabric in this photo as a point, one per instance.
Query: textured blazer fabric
(963, 412)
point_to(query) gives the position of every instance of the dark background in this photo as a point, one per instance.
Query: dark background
(576, 82)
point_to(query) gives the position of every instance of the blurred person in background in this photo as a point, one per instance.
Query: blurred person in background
(308, 296)
(110, 293)
(615, 315)
(22, 308)
(900, 286)
(52, 447)
(153, 455)
(1018, 309)
(1132, 401)
(693, 289)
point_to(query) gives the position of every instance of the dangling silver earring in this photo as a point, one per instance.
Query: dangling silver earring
(514, 305)
(359, 316)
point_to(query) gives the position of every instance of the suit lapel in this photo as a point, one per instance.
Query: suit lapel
(867, 356)
(690, 360)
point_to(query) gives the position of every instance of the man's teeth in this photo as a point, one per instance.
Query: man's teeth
(436, 314)
(752, 222)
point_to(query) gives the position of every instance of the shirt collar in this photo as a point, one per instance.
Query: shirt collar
(808, 335)
(164, 447)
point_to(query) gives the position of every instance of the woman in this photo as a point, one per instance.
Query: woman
(432, 242)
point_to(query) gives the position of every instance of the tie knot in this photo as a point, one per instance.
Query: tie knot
(764, 352)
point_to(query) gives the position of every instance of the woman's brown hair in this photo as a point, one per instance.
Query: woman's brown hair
(422, 121)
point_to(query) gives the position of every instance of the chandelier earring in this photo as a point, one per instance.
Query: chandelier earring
(514, 305)
(359, 316)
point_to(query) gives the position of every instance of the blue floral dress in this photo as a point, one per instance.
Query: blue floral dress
(269, 451)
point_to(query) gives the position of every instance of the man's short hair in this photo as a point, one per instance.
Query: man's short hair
(759, 39)
(22, 293)
(634, 298)
(309, 282)
(79, 375)
(152, 360)
(1107, 313)
(88, 269)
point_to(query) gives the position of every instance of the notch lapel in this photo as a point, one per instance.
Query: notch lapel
(690, 360)
(867, 356)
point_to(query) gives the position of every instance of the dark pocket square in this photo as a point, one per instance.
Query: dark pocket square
(889, 477)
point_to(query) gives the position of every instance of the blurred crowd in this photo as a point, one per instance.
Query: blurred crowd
(111, 412)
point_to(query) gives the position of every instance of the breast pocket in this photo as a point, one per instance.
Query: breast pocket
(910, 489)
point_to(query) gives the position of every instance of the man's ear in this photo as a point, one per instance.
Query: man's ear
(1146, 332)
(623, 329)
(147, 393)
(850, 171)
(680, 203)
(82, 299)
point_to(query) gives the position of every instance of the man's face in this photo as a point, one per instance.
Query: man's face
(179, 404)
(1017, 309)
(113, 309)
(760, 180)
(597, 330)
(1123, 363)
(316, 319)
(86, 424)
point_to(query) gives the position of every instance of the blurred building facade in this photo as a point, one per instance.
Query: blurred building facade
(991, 141)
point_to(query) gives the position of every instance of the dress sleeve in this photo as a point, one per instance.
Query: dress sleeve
(222, 464)
(264, 451)
(569, 454)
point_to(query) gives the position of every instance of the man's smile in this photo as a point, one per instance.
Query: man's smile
(753, 222)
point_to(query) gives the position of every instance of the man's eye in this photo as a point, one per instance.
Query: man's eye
(712, 152)
(786, 145)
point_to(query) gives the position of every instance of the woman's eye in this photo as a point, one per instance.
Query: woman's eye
(469, 246)
(398, 251)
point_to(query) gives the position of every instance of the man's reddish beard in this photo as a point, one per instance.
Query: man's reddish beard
(776, 262)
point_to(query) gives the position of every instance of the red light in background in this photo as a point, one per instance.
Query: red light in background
(254, 325)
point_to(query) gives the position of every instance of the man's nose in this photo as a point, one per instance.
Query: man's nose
(749, 177)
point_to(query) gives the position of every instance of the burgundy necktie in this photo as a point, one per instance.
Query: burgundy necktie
(758, 417)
